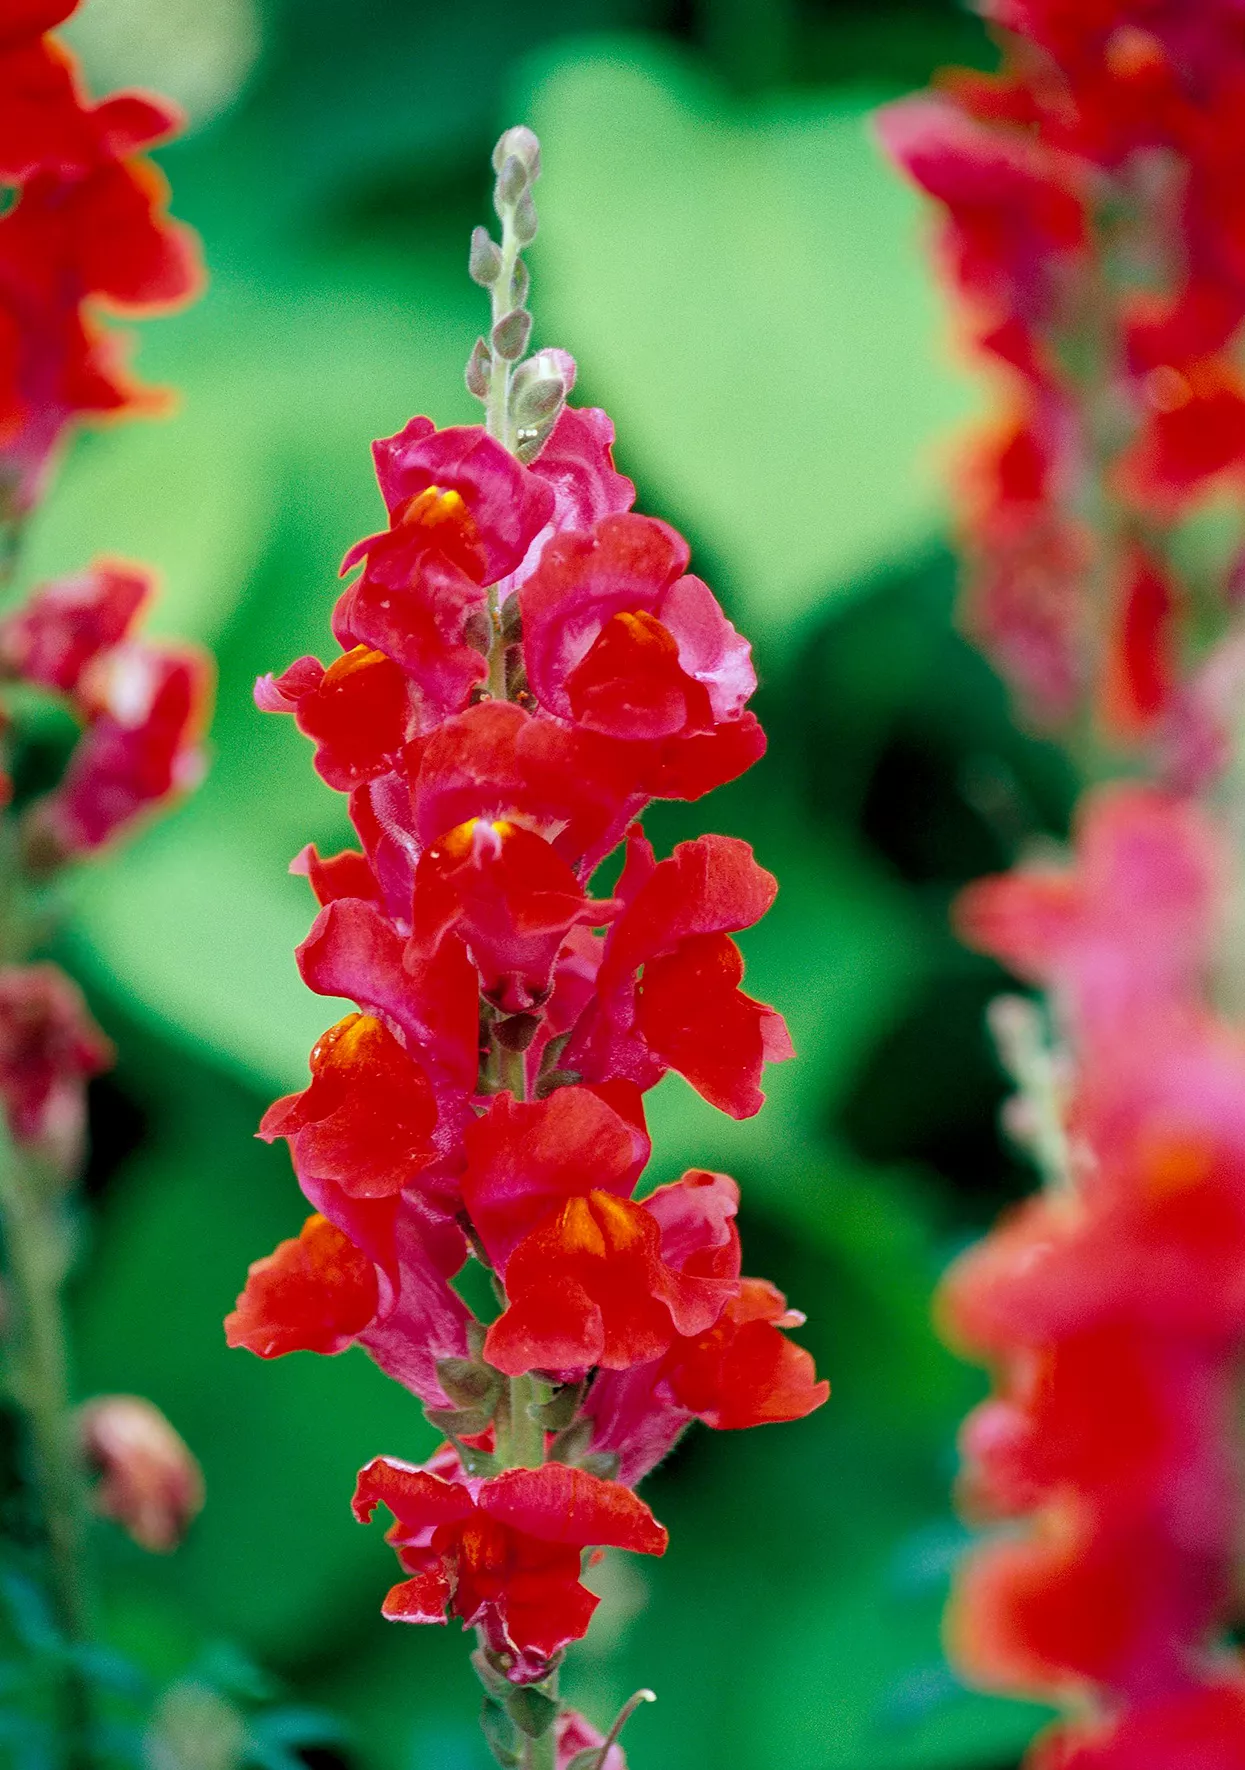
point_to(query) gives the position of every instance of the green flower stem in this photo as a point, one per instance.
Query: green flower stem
(527, 1436)
(520, 1438)
(497, 419)
(35, 1331)
(542, 1753)
(497, 422)
(523, 1443)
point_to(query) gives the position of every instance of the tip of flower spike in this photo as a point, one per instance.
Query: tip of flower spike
(522, 144)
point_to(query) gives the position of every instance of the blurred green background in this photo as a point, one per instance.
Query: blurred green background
(742, 282)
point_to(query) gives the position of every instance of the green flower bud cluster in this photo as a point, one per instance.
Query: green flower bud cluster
(522, 398)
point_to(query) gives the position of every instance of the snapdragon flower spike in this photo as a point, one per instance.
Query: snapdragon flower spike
(1112, 1309)
(1089, 196)
(525, 662)
(1091, 202)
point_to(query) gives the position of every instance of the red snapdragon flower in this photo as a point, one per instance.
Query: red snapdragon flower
(358, 711)
(146, 707)
(668, 991)
(65, 625)
(619, 638)
(377, 1275)
(49, 1046)
(510, 896)
(315, 1293)
(462, 514)
(503, 1554)
(1136, 847)
(366, 1121)
(743, 1371)
(548, 1187)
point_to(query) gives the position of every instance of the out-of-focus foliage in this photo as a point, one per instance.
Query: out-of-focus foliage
(742, 284)
(753, 312)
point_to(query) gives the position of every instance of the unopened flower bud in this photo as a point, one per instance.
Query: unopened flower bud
(511, 184)
(581, 1747)
(149, 1482)
(538, 392)
(532, 438)
(484, 259)
(511, 333)
(511, 621)
(520, 283)
(523, 145)
(478, 631)
(479, 369)
(525, 222)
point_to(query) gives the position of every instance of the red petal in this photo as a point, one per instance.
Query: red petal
(336, 875)
(368, 1118)
(357, 714)
(1139, 670)
(316, 1293)
(419, 1501)
(525, 1157)
(689, 767)
(420, 1600)
(695, 1018)
(558, 1504)
(31, 18)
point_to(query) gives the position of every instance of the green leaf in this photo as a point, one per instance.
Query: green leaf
(500, 1734)
(531, 1710)
(744, 288)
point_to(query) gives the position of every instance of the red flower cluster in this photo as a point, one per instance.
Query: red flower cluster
(143, 705)
(84, 222)
(82, 225)
(1093, 194)
(524, 663)
(1094, 205)
(1112, 1310)
(86, 233)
